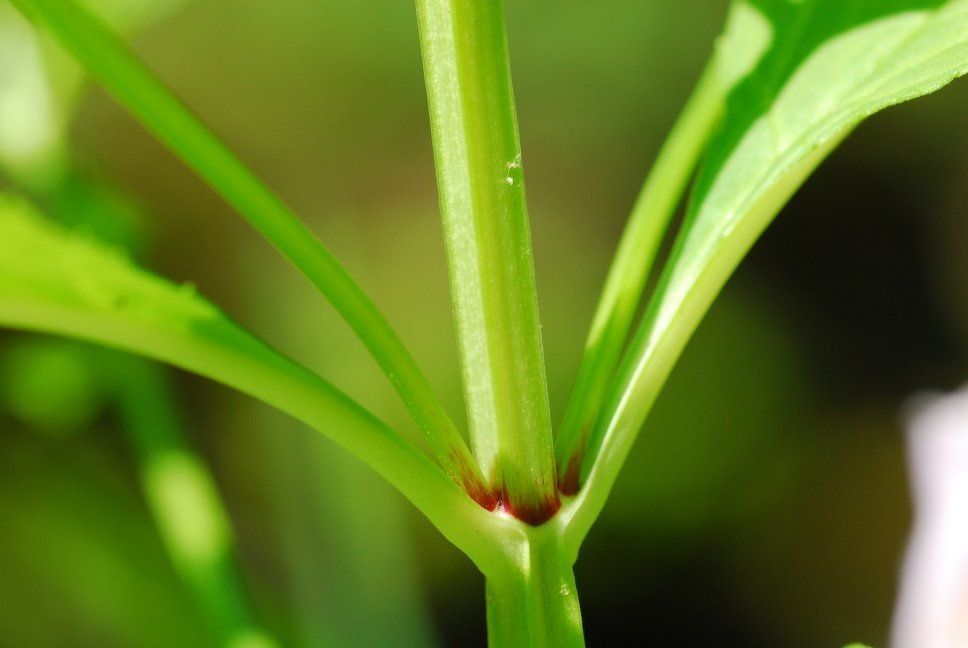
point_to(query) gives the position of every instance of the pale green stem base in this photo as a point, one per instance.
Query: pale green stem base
(533, 603)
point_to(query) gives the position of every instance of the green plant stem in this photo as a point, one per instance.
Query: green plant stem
(184, 502)
(630, 269)
(533, 602)
(488, 241)
(109, 60)
(669, 322)
(736, 53)
(237, 360)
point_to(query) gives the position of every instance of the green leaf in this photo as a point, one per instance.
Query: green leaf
(107, 58)
(57, 282)
(829, 65)
(741, 45)
(41, 86)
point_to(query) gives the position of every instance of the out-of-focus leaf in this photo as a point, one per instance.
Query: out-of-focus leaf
(50, 386)
(95, 293)
(81, 562)
(185, 503)
(39, 85)
(829, 65)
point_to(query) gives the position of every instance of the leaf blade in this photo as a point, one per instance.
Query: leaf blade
(736, 52)
(801, 101)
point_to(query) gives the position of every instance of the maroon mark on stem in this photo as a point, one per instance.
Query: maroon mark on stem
(570, 481)
(531, 513)
(473, 486)
(482, 494)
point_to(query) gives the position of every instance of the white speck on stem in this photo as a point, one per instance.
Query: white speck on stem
(512, 166)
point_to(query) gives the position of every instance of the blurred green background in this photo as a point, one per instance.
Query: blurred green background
(765, 503)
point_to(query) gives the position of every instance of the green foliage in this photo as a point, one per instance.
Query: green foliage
(106, 57)
(819, 68)
(81, 547)
(56, 282)
(788, 81)
(48, 385)
(41, 86)
(740, 46)
(185, 504)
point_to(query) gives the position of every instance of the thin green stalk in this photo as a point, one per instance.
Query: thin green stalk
(484, 213)
(669, 322)
(736, 53)
(295, 390)
(534, 603)
(185, 504)
(108, 59)
(630, 269)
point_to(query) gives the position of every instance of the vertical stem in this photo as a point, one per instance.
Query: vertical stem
(534, 603)
(185, 504)
(488, 243)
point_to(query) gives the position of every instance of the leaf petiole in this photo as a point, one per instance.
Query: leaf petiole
(107, 58)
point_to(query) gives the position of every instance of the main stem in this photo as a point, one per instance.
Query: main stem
(533, 601)
(531, 597)
(488, 240)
